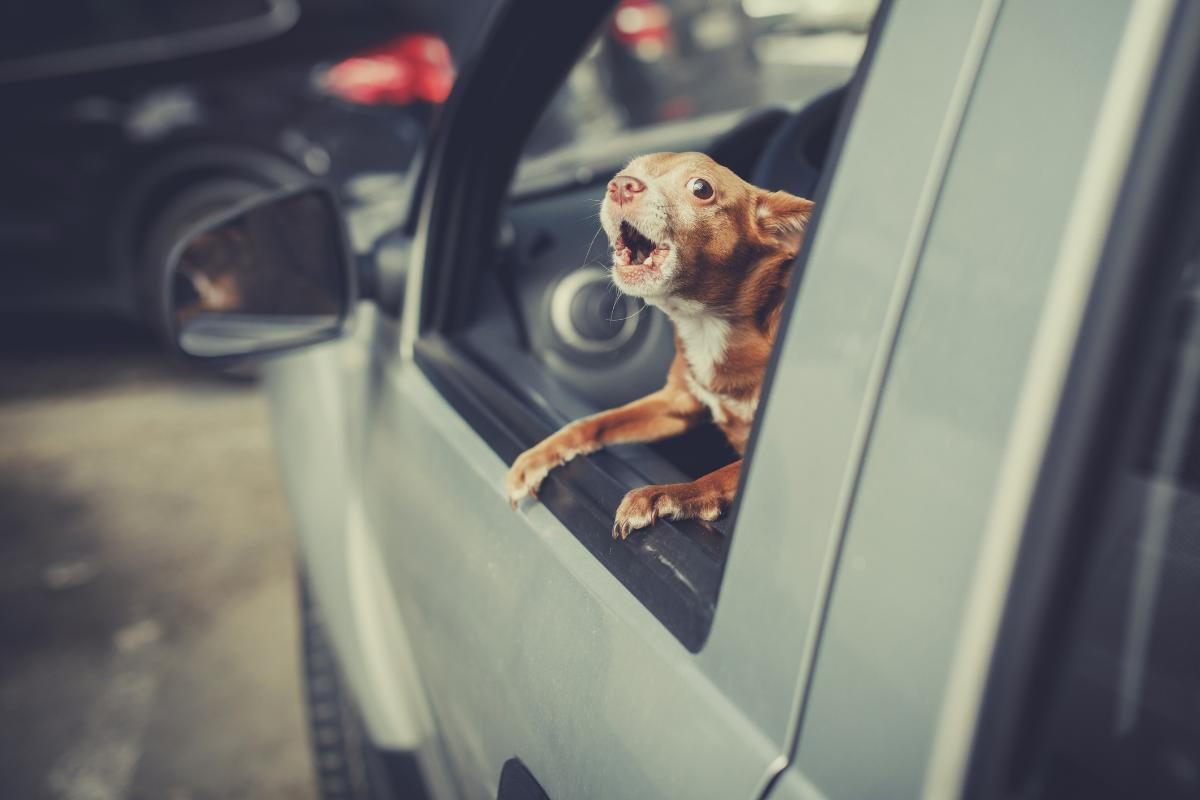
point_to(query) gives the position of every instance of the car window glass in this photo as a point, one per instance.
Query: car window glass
(1124, 715)
(660, 61)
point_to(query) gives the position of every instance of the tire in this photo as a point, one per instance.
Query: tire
(347, 766)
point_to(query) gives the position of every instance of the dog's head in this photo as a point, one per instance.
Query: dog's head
(683, 227)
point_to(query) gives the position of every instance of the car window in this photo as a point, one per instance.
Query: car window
(719, 76)
(1124, 711)
(724, 77)
(663, 61)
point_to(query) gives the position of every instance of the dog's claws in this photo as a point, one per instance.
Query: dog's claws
(515, 499)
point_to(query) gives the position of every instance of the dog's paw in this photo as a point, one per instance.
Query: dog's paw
(529, 470)
(641, 508)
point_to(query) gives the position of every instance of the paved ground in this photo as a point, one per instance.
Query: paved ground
(147, 606)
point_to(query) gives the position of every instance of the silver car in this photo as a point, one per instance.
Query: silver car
(963, 559)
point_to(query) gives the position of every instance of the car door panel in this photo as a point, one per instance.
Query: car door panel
(528, 646)
(822, 391)
(929, 479)
(318, 399)
(579, 680)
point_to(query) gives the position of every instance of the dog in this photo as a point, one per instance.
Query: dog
(715, 254)
(210, 267)
(238, 267)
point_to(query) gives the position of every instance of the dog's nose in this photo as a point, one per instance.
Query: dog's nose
(623, 187)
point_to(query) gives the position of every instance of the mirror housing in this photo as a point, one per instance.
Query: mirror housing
(266, 275)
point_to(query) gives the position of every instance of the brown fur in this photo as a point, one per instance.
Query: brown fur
(728, 266)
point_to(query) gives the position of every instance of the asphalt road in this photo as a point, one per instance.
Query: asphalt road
(148, 628)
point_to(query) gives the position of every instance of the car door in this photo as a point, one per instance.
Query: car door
(615, 669)
(1014, 242)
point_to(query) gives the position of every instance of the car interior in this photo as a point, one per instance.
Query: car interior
(548, 320)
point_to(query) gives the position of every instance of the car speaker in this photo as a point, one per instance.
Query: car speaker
(589, 315)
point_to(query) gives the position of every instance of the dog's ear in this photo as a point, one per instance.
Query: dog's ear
(783, 217)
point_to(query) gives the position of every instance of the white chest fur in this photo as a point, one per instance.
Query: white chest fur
(704, 338)
(708, 398)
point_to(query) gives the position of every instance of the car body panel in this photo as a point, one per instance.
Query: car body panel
(319, 401)
(947, 408)
(821, 391)
(528, 646)
(317, 412)
(1110, 184)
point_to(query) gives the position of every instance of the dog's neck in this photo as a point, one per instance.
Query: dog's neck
(703, 335)
(715, 343)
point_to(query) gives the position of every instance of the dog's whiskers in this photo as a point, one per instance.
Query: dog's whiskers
(588, 255)
(613, 310)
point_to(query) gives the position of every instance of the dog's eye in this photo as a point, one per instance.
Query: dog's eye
(701, 188)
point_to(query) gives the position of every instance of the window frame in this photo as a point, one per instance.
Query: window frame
(1121, 323)
(678, 577)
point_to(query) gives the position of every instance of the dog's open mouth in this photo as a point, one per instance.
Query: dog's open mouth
(635, 249)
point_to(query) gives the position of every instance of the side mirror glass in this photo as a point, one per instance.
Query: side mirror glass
(271, 274)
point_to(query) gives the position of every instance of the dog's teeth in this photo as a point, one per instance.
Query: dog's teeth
(649, 261)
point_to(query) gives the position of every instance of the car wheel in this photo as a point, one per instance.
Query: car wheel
(347, 767)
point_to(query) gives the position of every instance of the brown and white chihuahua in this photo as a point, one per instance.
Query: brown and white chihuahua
(715, 253)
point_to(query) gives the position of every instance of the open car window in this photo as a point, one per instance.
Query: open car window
(540, 338)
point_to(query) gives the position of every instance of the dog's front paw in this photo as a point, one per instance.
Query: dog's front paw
(641, 508)
(530, 469)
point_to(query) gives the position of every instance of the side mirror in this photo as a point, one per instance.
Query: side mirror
(269, 274)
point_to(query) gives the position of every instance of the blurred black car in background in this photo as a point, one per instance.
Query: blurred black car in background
(126, 120)
(90, 169)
